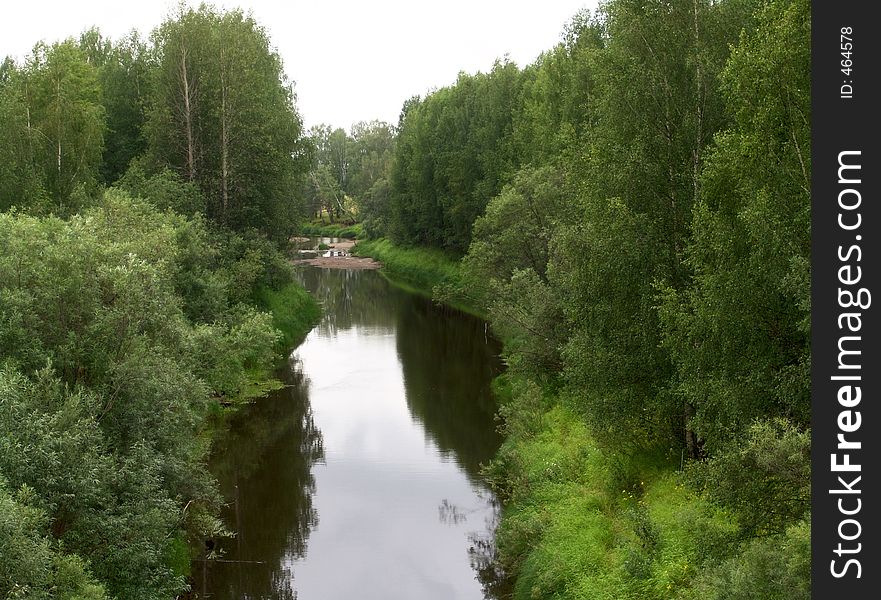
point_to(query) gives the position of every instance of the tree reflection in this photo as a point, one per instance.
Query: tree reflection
(449, 362)
(263, 465)
(493, 580)
(351, 297)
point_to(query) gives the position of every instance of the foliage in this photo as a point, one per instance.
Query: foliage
(632, 211)
(451, 157)
(582, 521)
(165, 190)
(123, 71)
(294, 312)
(53, 129)
(21, 183)
(740, 334)
(221, 114)
(111, 349)
(770, 467)
(419, 270)
(777, 566)
(349, 232)
(33, 565)
(350, 172)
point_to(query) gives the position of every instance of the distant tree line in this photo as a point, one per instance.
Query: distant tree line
(348, 180)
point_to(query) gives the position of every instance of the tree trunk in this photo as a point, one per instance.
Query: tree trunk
(186, 92)
(699, 97)
(224, 141)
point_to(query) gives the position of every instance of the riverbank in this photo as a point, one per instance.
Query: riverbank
(294, 312)
(424, 271)
(585, 520)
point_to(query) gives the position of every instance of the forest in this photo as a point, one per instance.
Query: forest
(630, 212)
(147, 187)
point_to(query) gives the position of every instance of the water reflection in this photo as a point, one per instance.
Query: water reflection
(460, 363)
(263, 466)
(361, 479)
(350, 298)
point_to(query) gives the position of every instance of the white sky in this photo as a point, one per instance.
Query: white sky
(350, 60)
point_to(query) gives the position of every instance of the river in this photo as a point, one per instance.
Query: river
(361, 478)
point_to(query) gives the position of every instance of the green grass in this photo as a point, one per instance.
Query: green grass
(584, 522)
(294, 312)
(333, 230)
(422, 271)
(177, 555)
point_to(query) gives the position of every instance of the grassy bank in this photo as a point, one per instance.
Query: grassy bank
(294, 312)
(581, 521)
(333, 230)
(423, 271)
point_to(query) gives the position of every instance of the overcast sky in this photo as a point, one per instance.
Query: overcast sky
(351, 60)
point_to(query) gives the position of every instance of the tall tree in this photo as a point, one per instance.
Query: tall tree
(740, 333)
(453, 155)
(222, 114)
(657, 108)
(65, 118)
(20, 179)
(123, 72)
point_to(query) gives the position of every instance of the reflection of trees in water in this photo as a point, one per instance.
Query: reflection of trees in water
(448, 360)
(451, 514)
(263, 465)
(482, 553)
(448, 363)
(351, 297)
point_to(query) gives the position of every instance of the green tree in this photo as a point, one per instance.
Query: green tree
(657, 108)
(740, 334)
(123, 73)
(222, 115)
(329, 177)
(20, 180)
(65, 121)
(453, 155)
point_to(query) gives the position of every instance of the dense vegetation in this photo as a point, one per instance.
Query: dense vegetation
(633, 212)
(145, 190)
(348, 179)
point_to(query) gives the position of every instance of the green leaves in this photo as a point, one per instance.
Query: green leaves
(740, 333)
(64, 100)
(222, 116)
(106, 377)
(453, 155)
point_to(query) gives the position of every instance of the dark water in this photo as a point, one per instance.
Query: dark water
(360, 480)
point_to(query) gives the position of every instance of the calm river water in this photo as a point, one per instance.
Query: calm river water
(360, 480)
